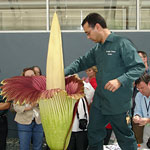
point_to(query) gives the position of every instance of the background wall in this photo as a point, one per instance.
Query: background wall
(20, 50)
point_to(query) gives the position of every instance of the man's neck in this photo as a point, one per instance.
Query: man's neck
(106, 34)
(148, 95)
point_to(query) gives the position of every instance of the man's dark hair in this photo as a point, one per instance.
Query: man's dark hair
(143, 53)
(93, 18)
(144, 78)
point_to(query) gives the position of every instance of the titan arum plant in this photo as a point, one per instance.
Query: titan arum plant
(57, 96)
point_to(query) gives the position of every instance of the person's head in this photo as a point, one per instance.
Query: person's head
(143, 55)
(91, 72)
(93, 25)
(37, 70)
(28, 72)
(92, 19)
(143, 84)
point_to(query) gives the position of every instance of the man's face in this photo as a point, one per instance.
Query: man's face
(144, 88)
(92, 33)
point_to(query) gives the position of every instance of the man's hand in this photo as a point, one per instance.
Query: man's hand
(141, 121)
(136, 119)
(112, 85)
(144, 121)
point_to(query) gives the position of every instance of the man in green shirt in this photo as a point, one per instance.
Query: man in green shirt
(119, 65)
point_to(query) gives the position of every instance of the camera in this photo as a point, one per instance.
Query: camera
(83, 124)
(148, 143)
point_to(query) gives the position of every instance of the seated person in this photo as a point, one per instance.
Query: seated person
(142, 107)
(138, 130)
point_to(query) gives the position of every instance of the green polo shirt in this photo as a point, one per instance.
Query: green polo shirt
(115, 58)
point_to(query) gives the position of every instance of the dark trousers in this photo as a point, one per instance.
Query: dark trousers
(97, 131)
(107, 138)
(78, 141)
(3, 132)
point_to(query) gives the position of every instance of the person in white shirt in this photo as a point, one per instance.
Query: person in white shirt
(79, 140)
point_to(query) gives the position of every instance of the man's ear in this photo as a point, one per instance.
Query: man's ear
(98, 26)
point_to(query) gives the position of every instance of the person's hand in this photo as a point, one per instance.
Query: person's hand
(31, 106)
(112, 85)
(34, 105)
(143, 121)
(86, 79)
(136, 119)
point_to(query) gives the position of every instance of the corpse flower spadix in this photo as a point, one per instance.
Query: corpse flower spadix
(55, 94)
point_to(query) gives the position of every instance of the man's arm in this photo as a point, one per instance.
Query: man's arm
(144, 121)
(4, 106)
(132, 61)
(23, 108)
(133, 64)
(138, 115)
(141, 121)
(82, 63)
(138, 105)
